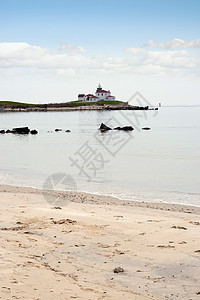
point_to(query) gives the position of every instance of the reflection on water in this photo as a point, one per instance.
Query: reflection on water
(161, 164)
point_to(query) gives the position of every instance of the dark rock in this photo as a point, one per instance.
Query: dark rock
(10, 131)
(57, 129)
(34, 131)
(118, 128)
(64, 221)
(125, 128)
(146, 128)
(118, 270)
(103, 127)
(2, 131)
(67, 130)
(179, 227)
(21, 130)
(56, 207)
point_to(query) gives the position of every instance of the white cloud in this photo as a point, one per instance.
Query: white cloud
(174, 44)
(71, 49)
(20, 50)
(23, 55)
(172, 59)
(136, 50)
(139, 61)
(166, 60)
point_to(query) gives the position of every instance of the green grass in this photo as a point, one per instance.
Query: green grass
(79, 103)
(13, 103)
(82, 103)
(111, 102)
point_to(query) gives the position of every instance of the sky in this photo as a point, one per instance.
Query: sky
(52, 50)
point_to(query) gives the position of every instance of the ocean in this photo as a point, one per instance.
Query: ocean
(157, 165)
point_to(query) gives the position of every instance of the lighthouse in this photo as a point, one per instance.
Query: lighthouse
(100, 95)
(99, 89)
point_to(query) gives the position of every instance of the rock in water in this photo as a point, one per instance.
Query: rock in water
(21, 130)
(2, 131)
(34, 131)
(146, 128)
(125, 128)
(57, 129)
(118, 128)
(103, 127)
(10, 131)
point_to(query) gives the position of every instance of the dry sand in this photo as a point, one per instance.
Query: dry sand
(70, 252)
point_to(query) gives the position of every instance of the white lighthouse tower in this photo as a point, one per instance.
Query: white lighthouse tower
(103, 94)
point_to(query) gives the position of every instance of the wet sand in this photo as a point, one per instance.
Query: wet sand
(69, 249)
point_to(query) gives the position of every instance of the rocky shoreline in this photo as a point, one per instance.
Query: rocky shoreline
(75, 108)
(102, 128)
(19, 130)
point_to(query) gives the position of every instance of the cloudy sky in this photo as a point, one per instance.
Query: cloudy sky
(51, 50)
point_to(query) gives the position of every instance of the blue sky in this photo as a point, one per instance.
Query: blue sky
(118, 23)
(99, 41)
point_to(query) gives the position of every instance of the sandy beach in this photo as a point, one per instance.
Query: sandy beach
(69, 250)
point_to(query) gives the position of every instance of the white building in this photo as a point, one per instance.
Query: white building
(81, 97)
(103, 94)
(91, 98)
(100, 94)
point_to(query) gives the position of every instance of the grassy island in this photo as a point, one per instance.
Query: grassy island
(66, 106)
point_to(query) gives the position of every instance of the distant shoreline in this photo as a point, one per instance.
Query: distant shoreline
(76, 108)
(10, 106)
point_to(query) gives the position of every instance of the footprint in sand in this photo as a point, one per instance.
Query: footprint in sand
(179, 227)
(165, 246)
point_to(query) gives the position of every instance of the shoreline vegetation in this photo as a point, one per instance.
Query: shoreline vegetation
(96, 247)
(10, 106)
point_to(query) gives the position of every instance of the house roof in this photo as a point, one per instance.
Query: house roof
(81, 95)
(102, 91)
(91, 96)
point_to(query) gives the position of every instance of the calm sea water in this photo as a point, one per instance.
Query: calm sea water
(161, 165)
